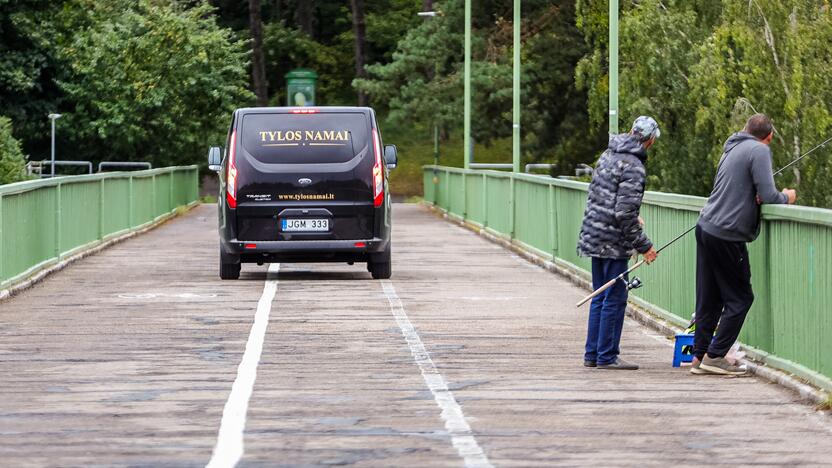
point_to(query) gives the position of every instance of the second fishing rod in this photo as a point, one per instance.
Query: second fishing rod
(636, 283)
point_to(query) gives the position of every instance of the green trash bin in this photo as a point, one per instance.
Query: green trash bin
(300, 87)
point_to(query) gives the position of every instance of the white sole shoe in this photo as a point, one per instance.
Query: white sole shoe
(718, 370)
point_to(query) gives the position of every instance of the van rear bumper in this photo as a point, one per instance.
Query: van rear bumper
(353, 246)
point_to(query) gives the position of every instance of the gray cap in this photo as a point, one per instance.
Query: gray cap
(646, 127)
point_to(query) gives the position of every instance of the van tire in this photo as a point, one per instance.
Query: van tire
(229, 266)
(381, 265)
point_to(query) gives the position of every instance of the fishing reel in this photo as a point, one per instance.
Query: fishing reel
(634, 283)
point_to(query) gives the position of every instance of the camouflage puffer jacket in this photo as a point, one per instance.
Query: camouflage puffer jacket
(610, 228)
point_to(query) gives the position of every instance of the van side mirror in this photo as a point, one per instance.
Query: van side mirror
(215, 159)
(391, 156)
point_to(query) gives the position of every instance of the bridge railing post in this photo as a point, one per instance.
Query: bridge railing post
(446, 187)
(484, 200)
(553, 224)
(2, 256)
(763, 311)
(154, 201)
(511, 206)
(57, 237)
(171, 206)
(465, 195)
(130, 202)
(101, 208)
(195, 186)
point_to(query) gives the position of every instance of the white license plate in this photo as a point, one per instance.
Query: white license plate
(304, 225)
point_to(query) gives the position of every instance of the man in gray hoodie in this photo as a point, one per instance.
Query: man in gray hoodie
(731, 218)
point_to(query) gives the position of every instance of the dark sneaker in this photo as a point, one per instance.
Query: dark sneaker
(590, 364)
(695, 369)
(619, 364)
(720, 366)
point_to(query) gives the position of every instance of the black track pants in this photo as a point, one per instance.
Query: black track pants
(723, 293)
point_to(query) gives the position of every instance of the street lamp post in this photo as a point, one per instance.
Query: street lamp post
(515, 125)
(426, 15)
(53, 118)
(613, 93)
(466, 124)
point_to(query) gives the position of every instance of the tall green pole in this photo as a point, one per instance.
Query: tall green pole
(467, 117)
(613, 67)
(515, 127)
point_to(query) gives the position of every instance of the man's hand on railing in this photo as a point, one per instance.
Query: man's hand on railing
(792, 194)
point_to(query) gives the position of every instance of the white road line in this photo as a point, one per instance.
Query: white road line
(229, 448)
(459, 430)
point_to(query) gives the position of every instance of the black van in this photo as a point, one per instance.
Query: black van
(304, 184)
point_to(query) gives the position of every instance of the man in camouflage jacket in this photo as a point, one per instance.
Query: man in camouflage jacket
(611, 233)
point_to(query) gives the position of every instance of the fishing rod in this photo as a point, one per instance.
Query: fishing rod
(636, 282)
(801, 157)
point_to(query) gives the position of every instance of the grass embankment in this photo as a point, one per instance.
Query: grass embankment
(416, 150)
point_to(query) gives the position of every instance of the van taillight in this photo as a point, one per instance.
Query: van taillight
(231, 181)
(378, 172)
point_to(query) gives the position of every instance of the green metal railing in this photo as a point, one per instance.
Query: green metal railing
(790, 324)
(43, 221)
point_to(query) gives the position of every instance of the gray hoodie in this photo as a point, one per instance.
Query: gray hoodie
(744, 172)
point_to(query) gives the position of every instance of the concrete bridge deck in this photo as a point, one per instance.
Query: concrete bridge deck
(468, 356)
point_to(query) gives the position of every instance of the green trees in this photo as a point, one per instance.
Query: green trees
(146, 80)
(320, 34)
(660, 44)
(286, 48)
(771, 57)
(423, 82)
(157, 79)
(11, 157)
(703, 67)
(27, 69)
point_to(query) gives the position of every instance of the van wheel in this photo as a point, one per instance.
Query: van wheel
(381, 265)
(229, 266)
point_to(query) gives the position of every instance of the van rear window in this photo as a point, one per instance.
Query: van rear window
(305, 138)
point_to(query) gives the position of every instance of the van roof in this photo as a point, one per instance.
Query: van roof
(287, 110)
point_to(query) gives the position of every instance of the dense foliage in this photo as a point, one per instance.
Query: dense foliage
(11, 156)
(424, 81)
(156, 79)
(147, 80)
(702, 67)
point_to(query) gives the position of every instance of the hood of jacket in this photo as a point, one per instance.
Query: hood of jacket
(627, 143)
(736, 139)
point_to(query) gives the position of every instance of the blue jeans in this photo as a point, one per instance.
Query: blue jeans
(606, 312)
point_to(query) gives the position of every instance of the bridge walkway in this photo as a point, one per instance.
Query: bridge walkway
(469, 355)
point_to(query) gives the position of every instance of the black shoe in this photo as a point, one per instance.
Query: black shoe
(619, 364)
(590, 364)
